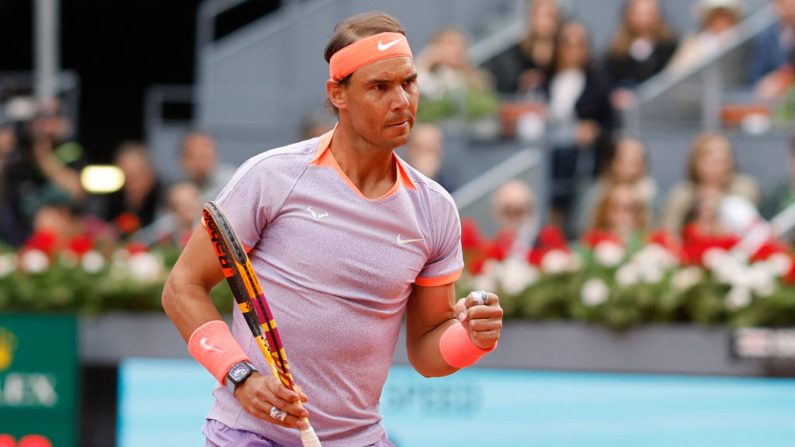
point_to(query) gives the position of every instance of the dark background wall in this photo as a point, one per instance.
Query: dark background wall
(118, 49)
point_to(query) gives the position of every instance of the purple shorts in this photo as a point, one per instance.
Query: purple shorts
(219, 435)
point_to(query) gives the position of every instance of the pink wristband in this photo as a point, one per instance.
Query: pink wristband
(214, 346)
(457, 349)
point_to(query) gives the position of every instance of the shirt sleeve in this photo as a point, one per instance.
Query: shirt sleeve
(254, 195)
(447, 259)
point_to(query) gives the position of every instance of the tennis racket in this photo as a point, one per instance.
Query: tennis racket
(242, 279)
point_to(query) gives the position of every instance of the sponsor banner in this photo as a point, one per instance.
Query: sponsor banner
(38, 380)
(761, 343)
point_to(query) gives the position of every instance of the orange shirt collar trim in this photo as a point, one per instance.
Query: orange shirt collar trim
(324, 157)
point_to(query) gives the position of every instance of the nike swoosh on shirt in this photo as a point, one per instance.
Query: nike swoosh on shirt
(208, 347)
(388, 45)
(317, 214)
(402, 241)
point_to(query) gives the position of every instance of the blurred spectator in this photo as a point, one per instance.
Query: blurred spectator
(718, 20)
(519, 234)
(776, 84)
(425, 152)
(200, 164)
(135, 205)
(8, 144)
(58, 158)
(450, 86)
(315, 125)
(58, 220)
(627, 164)
(702, 218)
(711, 170)
(11, 226)
(186, 209)
(727, 222)
(772, 47)
(39, 163)
(580, 117)
(640, 49)
(622, 214)
(523, 67)
(513, 204)
(783, 194)
(8, 140)
(59, 224)
(703, 226)
(514, 211)
(175, 226)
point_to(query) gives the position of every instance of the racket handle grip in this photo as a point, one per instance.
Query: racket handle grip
(309, 437)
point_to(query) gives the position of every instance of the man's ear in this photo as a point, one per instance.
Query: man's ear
(337, 94)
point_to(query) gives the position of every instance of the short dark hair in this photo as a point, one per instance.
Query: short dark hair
(356, 28)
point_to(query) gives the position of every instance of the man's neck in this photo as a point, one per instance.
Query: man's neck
(372, 169)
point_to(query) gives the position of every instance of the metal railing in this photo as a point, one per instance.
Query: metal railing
(784, 221)
(508, 34)
(156, 98)
(163, 133)
(209, 11)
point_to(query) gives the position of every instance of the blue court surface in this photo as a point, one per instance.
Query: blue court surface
(163, 402)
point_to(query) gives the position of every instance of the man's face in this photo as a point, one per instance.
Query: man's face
(381, 102)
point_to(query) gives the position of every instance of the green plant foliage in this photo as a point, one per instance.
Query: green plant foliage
(644, 288)
(67, 283)
(635, 288)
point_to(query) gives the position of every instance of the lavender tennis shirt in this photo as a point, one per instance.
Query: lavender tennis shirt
(337, 269)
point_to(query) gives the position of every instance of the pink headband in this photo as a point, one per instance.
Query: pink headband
(366, 51)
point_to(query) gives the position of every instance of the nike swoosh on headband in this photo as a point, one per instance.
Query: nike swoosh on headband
(388, 45)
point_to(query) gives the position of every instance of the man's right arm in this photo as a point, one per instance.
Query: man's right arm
(186, 300)
(186, 295)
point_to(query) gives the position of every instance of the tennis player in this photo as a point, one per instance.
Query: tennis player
(346, 239)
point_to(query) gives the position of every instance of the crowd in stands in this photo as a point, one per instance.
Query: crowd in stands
(599, 178)
(43, 194)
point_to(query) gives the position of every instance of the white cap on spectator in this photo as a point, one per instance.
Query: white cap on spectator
(738, 215)
(20, 108)
(705, 6)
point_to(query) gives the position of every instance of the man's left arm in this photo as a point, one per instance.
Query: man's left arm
(432, 339)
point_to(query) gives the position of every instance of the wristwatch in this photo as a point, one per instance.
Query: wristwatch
(238, 374)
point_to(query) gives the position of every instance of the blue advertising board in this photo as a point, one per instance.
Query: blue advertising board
(163, 402)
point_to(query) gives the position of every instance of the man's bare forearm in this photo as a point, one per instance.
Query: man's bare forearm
(424, 353)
